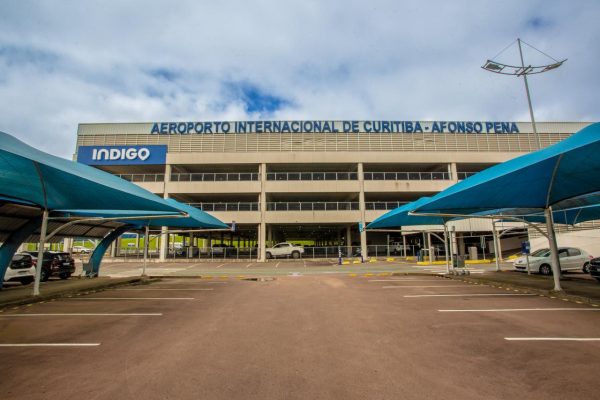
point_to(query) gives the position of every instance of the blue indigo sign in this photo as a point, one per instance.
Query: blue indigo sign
(210, 127)
(122, 155)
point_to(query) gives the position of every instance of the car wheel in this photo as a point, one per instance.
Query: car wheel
(44, 275)
(586, 268)
(268, 255)
(296, 254)
(545, 269)
(26, 281)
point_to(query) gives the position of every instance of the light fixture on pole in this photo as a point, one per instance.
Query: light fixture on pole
(505, 69)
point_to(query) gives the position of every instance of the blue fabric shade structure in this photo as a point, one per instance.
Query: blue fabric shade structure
(401, 217)
(536, 180)
(35, 184)
(32, 177)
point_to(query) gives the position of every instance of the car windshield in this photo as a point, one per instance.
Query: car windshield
(541, 253)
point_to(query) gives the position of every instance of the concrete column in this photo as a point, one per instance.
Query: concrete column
(164, 238)
(361, 199)
(269, 235)
(262, 229)
(461, 244)
(113, 248)
(68, 244)
(453, 172)
(349, 240)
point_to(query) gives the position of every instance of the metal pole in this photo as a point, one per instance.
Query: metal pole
(537, 136)
(446, 248)
(146, 243)
(40, 260)
(553, 249)
(496, 247)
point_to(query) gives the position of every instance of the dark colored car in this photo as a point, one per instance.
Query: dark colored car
(594, 268)
(56, 263)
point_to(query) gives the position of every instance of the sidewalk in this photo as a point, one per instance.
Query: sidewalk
(574, 288)
(58, 288)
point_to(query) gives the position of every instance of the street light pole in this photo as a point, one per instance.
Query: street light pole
(522, 70)
(535, 132)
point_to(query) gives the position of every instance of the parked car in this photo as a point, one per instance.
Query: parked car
(81, 249)
(223, 250)
(284, 250)
(571, 259)
(56, 263)
(595, 268)
(21, 269)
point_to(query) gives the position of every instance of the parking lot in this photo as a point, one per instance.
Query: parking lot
(346, 336)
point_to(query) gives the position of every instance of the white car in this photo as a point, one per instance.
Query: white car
(284, 250)
(571, 259)
(21, 269)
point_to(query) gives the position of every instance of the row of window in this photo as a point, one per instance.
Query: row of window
(299, 206)
(294, 176)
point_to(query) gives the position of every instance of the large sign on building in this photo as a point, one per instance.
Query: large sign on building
(309, 126)
(122, 155)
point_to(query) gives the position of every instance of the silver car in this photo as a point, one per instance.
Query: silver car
(571, 259)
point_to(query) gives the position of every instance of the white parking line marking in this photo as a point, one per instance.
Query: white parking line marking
(277, 265)
(151, 289)
(525, 309)
(248, 266)
(421, 286)
(84, 315)
(130, 298)
(219, 266)
(543, 339)
(48, 344)
(469, 295)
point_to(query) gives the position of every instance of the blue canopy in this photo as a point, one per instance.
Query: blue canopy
(400, 217)
(566, 217)
(32, 177)
(195, 218)
(536, 180)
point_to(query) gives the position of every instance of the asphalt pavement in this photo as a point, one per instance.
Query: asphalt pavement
(318, 336)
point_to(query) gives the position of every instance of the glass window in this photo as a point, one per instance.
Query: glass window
(390, 176)
(574, 252)
(330, 176)
(562, 253)
(270, 176)
(294, 176)
(306, 176)
(541, 253)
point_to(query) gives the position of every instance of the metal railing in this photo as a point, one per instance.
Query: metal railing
(214, 177)
(142, 177)
(464, 175)
(312, 176)
(251, 253)
(239, 206)
(407, 176)
(313, 206)
(384, 205)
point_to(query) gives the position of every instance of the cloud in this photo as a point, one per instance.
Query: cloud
(109, 61)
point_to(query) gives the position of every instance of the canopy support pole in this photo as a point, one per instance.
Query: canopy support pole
(92, 268)
(496, 246)
(12, 243)
(146, 245)
(40, 258)
(446, 248)
(553, 249)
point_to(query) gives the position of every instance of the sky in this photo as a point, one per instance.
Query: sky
(68, 62)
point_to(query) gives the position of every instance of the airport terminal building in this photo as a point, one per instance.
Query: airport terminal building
(314, 182)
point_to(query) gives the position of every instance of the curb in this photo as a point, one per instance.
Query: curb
(528, 289)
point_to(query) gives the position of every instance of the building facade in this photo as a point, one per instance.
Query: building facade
(314, 182)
